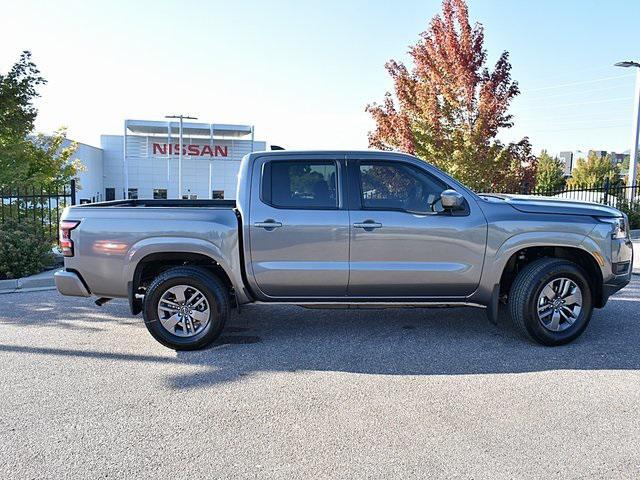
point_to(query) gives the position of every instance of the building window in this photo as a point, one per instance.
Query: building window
(133, 194)
(109, 194)
(159, 193)
(191, 196)
(217, 195)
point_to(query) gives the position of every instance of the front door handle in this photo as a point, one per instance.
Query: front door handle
(368, 225)
(268, 224)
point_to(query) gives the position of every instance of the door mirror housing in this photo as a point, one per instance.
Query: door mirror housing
(452, 200)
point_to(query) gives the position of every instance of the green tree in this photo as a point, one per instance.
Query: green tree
(38, 160)
(18, 88)
(624, 168)
(28, 158)
(594, 172)
(550, 173)
(625, 163)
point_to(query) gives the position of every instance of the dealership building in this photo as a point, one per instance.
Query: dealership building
(145, 161)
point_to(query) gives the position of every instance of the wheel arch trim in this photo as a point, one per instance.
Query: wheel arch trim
(165, 245)
(536, 240)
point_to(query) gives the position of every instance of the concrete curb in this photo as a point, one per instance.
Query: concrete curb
(34, 283)
(8, 284)
(26, 290)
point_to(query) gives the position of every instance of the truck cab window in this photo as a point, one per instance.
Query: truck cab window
(300, 184)
(399, 186)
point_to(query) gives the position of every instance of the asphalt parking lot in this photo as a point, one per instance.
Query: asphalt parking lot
(288, 393)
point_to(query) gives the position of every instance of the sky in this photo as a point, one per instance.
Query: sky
(302, 72)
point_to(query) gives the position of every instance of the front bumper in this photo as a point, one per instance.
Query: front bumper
(613, 286)
(623, 255)
(69, 283)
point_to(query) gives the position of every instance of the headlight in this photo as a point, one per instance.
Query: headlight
(620, 226)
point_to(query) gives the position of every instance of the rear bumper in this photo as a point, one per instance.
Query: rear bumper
(70, 283)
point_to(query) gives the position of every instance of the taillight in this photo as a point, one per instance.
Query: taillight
(66, 244)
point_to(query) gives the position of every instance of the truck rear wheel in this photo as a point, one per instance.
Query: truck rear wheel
(551, 302)
(185, 308)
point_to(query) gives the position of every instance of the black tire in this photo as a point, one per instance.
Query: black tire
(526, 290)
(213, 290)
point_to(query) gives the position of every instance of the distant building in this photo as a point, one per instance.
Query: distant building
(567, 159)
(144, 162)
(619, 158)
(570, 159)
(577, 155)
(598, 153)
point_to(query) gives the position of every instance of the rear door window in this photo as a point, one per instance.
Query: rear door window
(305, 184)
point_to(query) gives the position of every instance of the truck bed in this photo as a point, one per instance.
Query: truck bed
(145, 202)
(112, 237)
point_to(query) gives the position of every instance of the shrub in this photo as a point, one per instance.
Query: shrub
(24, 250)
(632, 213)
(630, 209)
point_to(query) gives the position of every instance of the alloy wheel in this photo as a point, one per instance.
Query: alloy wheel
(184, 311)
(559, 304)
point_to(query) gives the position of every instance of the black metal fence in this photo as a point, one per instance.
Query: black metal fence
(616, 195)
(43, 204)
(39, 205)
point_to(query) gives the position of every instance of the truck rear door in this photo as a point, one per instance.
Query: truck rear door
(299, 227)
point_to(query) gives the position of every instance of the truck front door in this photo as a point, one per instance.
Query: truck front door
(403, 244)
(299, 228)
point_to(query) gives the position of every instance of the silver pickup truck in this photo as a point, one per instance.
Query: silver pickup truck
(347, 229)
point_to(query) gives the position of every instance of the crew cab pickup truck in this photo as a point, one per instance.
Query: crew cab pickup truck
(347, 229)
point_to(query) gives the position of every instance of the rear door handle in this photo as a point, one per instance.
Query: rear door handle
(368, 225)
(268, 224)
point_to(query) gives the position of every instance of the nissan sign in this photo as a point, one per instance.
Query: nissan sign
(191, 150)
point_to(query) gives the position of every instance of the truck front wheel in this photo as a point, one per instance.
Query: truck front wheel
(551, 302)
(185, 308)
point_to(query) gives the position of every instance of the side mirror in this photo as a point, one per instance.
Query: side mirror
(451, 200)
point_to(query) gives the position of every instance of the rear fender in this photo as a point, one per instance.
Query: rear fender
(149, 246)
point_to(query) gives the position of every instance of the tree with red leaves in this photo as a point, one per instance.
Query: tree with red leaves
(449, 107)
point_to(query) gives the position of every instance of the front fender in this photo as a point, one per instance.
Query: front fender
(498, 254)
(534, 239)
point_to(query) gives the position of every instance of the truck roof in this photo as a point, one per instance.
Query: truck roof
(386, 153)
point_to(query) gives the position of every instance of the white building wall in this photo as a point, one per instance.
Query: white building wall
(112, 148)
(147, 171)
(90, 179)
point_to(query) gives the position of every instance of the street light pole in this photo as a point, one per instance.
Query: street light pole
(181, 118)
(633, 161)
(633, 158)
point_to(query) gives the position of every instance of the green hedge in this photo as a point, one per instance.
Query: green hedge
(632, 210)
(24, 249)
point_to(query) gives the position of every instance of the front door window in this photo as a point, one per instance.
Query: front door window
(401, 187)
